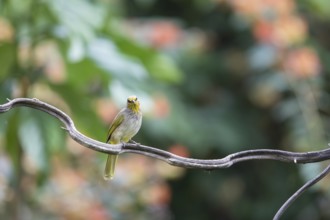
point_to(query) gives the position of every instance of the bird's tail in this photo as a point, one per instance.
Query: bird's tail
(110, 166)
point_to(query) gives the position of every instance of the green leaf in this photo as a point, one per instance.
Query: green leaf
(163, 68)
(7, 58)
(85, 73)
(319, 7)
(53, 134)
(33, 143)
(78, 17)
(108, 57)
(82, 109)
(159, 66)
(12, 145)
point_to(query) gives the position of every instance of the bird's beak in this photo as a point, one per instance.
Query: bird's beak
(132, 101)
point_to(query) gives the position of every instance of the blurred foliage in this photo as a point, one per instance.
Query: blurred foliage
(214, 77)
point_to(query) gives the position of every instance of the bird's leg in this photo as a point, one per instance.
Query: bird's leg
(123, 143)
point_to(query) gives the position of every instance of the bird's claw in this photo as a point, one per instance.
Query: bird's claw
(123, 143)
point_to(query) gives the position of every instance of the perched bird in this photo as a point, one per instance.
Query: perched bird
(125, 125)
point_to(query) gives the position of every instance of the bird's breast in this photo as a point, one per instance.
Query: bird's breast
(129, 127)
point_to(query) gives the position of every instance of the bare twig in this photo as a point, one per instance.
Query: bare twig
(301, 191)
(260, 154)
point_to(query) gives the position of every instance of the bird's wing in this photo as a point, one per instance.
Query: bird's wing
(116, 122)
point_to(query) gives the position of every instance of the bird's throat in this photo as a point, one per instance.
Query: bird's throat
(134, 107)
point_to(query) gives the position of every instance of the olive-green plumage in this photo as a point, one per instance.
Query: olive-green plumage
(125, 125)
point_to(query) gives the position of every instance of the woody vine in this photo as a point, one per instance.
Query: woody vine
(175, 160)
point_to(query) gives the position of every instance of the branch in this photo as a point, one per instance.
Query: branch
(260, 154)
(301, 191)
(172, 159)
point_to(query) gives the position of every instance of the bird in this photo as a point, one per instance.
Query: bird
(123, 128)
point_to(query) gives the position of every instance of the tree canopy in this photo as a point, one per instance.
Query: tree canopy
(213, 77)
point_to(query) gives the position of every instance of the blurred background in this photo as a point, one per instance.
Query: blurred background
(214, 77)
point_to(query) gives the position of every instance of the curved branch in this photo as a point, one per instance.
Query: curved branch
(260, 154)
(301, 191)
(175, 160)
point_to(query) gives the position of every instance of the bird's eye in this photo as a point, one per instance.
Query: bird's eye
(132, 99)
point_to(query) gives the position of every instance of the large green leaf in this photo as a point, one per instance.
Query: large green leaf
(163, 68)
(12, 144)
(80, 18)
(7, 58)
(160, 66)
(318, 7)
(32, 139)
(108, 57)
(85, 74)
(52, 133)
(82, 110)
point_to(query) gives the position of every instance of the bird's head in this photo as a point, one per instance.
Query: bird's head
(133, 103)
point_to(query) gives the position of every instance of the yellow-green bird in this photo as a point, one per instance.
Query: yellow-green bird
(125, 125)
